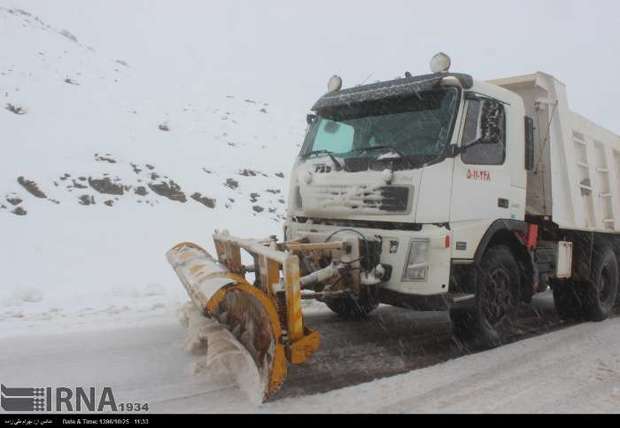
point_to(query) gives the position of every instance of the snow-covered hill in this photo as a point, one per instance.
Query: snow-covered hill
(101, 172)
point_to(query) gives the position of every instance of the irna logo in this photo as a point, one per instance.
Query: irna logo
(63, 399)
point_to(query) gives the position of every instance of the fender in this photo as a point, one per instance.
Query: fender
(516, 234)
(498, 226)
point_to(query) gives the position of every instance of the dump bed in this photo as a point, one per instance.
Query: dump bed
(576, 177)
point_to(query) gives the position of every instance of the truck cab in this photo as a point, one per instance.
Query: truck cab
(424, 174)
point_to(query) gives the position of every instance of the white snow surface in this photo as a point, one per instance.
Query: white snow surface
(86, 294)
(574, 370)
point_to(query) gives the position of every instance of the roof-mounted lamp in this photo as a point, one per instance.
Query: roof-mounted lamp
(334, 84)
(440, 63)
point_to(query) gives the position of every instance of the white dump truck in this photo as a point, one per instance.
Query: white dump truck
(432, 192)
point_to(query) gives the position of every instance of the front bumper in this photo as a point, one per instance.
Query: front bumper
(395, 252)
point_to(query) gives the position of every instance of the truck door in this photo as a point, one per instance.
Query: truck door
(481, 190)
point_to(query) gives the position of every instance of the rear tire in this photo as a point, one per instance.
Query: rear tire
(489, 322)
(350, 308)
(599, 294)
(591, 300)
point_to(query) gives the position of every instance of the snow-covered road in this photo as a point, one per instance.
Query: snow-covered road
(573, 369)
(576, 369)
(141, 364)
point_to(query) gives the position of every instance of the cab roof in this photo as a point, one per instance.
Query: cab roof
(397, 88)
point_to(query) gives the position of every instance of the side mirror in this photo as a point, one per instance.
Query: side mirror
(311, 118)
(485, 124)
(491, 122)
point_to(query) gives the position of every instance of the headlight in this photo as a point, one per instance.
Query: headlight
(416, 269)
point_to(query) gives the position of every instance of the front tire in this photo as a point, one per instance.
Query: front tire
(351, 308)
(489, 323)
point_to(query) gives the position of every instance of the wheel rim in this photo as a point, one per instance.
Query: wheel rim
(498, 296)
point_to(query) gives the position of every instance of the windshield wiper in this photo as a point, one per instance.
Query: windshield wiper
(375, 148)
(325, 152)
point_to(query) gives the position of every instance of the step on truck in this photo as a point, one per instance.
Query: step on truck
(431, 192)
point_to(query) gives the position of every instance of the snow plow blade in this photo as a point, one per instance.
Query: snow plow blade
(253, 314)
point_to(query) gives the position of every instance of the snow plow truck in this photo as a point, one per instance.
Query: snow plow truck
(431, 192)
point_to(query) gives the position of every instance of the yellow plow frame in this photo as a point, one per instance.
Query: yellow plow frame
(265, 316)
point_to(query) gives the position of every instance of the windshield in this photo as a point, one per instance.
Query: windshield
(417, 128)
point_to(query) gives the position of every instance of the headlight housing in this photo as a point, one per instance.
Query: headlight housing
(416, 268)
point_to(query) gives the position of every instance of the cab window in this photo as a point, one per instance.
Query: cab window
(485, 123)
(334, 137)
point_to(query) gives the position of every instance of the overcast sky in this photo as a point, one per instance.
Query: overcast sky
(286, 50)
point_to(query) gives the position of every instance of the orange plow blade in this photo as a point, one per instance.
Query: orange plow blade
(248, 317)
